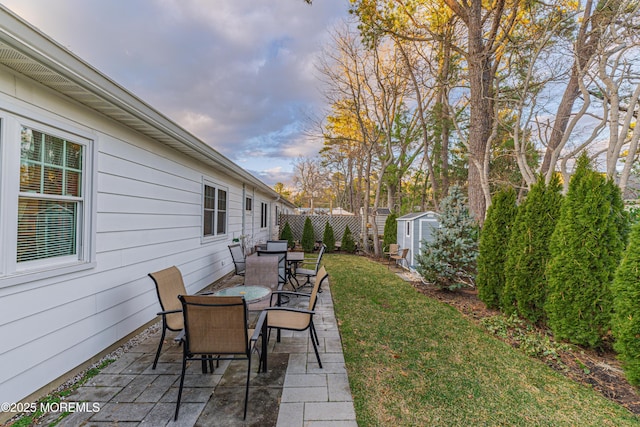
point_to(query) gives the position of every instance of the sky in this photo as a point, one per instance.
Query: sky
(238, 74)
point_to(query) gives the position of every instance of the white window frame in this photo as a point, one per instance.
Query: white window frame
(264, 215)
(248, 204)
(215, 235)
(13, 272)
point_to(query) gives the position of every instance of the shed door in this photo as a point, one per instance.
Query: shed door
(426, 231)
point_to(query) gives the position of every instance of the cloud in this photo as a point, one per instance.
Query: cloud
(237, 74)
(273, 176)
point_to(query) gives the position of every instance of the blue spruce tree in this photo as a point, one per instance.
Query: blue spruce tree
(449, 261)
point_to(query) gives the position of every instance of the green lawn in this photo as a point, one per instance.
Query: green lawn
(413, 361)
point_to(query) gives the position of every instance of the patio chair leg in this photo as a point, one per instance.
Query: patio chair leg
(164, 330)
(293, 278)
(246, 393)
(184, 368)
(207, 360)
(314, 334)
(315, 348)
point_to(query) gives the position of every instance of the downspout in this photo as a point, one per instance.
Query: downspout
(272, 223)
(243, 209)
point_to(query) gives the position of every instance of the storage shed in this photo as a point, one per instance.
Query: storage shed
(413, 228)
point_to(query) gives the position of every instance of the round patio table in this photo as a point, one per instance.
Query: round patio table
(250, 293)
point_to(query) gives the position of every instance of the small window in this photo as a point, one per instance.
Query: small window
(214, 211)
(248, 204)
(408, 229)
(263, 215)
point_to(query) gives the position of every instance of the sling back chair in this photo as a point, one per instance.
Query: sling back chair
(277, 245)
(394, 248)
(401, 256)
(239, 260)
(169, 285)
(283, 270)
(298, 319)
(311, 272)
(263, 271)
(217, 326)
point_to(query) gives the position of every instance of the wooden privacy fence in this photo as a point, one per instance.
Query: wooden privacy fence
(338, 223)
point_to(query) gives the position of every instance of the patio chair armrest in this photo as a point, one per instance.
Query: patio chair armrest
(280, 292)
(261, 326)
(162, 313)
(309, 263)
(291, 293)
(291, 309)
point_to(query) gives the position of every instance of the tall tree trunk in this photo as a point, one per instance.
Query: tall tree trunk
(445, 119)
(481, 112)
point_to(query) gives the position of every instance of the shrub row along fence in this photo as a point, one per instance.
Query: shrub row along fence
(338, 223)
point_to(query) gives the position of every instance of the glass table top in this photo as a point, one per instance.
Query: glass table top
(250, 293)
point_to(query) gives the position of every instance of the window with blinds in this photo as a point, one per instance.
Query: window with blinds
(50, 199)
(215, 211)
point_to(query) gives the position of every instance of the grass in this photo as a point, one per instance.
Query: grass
(413, 361)
(31, 418)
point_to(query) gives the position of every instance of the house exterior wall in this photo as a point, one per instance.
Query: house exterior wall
(147, 214)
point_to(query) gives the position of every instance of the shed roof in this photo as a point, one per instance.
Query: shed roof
(28, 51)
(417, 215)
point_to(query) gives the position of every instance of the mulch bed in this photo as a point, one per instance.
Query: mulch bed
(597, 369)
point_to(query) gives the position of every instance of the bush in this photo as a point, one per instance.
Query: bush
(493, 245)
(308, 236)
(586, 247)
(328, 238)
(287, 235)
(525, 288)
(348, 244)
(390, 231)
(625, 322)
(449, 261)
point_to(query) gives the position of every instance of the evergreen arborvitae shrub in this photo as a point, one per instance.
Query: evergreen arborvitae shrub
(493, 245)
(625, 323)
(328, 238)
(348, 244)
(390, 234)
(308, 236)
(586, 248)
(525, 290)
(287, 235)
(449, 260)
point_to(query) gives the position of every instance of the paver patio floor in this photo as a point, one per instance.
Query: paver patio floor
(294, 392)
